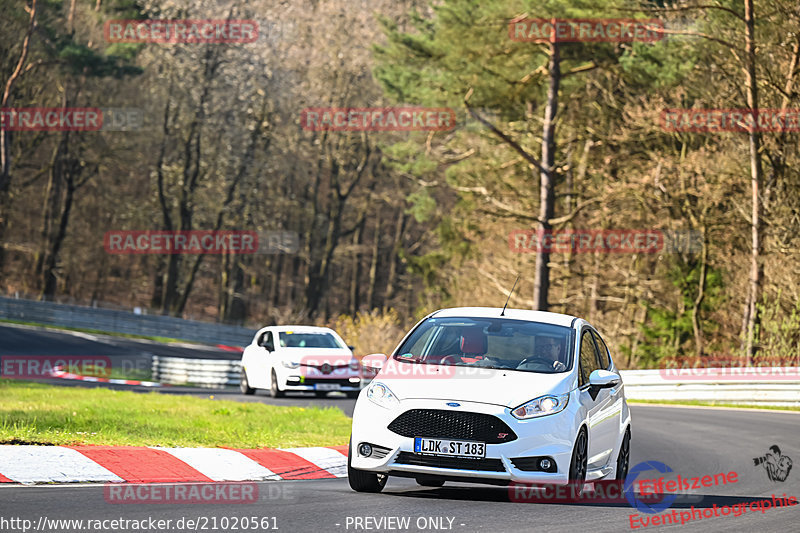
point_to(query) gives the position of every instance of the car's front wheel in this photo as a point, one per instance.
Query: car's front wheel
(624, 456)
(274, 391)
(244, 385)
(361, 480)
(578, 464)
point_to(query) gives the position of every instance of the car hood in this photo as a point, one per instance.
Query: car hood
(508, 388)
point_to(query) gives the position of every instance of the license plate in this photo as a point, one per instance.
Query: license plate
(327, 386)
(459, 448)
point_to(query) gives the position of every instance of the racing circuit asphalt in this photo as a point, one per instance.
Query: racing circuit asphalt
(692, 441)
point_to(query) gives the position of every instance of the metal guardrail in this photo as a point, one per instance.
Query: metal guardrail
(773, 386)
(754, 385)
(76, 316)
(207, 373)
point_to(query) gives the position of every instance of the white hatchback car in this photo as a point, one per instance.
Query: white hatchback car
(477, 394)
(302, 359)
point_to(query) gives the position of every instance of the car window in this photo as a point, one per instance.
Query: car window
(265, 340)
(605, 357)
(291, 339)
(589, 361)
(499, 343)
(420, 341)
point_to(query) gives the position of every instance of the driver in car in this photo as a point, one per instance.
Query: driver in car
(551, 350)
(548, 354)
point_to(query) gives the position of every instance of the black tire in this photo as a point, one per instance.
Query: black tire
(623, 459)
(429, 482)
(274, 391)
(361, 480)
(320, 393)
(579, 463)
(244, 385)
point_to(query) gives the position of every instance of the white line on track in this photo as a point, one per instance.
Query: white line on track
(42, 464)
(220, 464)
(325, 458)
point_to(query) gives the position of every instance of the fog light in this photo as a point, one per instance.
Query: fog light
(364, 449)
(544, 464)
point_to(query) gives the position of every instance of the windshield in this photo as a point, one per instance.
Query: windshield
(290, 339)
(490, 343)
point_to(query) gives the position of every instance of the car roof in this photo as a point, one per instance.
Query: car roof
(543, 317)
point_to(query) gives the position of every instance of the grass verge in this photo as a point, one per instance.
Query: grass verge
(718, 404)
(34, 413)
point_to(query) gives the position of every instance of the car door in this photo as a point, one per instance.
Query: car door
(259, 366)
(614, 404)
(603, 422)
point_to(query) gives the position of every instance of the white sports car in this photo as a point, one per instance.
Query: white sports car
(491, 396)
(302, 359)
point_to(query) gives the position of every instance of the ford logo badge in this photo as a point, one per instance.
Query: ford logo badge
(453, 404)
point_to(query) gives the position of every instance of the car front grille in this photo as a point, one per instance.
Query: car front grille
(460, 463)
(440, 424)
(324, 381)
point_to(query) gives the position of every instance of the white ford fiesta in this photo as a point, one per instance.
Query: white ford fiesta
(492, 396)
(300, 359)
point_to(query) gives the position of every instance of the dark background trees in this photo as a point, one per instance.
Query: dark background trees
(548, 135)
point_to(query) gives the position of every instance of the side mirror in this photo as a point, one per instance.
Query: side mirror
(374, 361)
(351, 347)
(602, 379)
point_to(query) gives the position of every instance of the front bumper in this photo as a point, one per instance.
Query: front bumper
(549, 436)
(342, 380)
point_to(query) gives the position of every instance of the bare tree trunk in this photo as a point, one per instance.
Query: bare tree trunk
(355, 269)
(71, 16)
(396, 246)
(541, 284)
(698, 301)
(756, 271)
(5, 144)
(373, 266)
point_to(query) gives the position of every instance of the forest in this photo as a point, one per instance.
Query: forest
(621, 121)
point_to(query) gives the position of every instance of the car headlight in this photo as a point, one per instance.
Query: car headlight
(542, 406)
(381, 395)
(290, 364)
